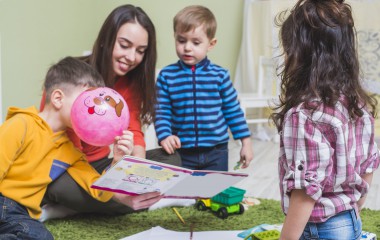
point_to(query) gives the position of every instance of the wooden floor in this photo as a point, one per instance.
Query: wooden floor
(262, 181)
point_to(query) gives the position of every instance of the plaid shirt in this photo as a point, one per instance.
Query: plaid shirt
(326, 153)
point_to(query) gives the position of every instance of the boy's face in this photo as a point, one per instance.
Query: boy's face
(192, 46)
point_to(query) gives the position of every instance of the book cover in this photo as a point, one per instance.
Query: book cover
(133, 176)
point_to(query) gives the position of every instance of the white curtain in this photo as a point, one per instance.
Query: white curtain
(367, 23)
(260, 38)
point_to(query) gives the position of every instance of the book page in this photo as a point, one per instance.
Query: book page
(136, 176)
(204, 184)
(159, 233)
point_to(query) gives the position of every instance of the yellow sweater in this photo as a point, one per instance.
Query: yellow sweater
(32, 156)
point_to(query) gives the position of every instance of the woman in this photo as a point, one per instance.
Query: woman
(124, 53)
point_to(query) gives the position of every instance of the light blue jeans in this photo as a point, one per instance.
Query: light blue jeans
(15, 223)
(343, 226)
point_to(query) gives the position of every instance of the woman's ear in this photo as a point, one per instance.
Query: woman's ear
(56, 98)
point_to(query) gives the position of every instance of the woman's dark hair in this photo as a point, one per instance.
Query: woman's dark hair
(143, 75)
(320, 58)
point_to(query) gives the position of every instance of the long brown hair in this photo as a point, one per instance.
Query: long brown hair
(143, 76)
(321, 61)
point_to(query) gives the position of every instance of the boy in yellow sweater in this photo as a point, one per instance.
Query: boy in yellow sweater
(34, 151)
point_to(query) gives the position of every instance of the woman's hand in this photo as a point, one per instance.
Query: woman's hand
(138, 202)
(123, 145)
(170, 144)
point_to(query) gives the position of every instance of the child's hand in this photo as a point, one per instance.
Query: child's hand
(246, 152)
(170, 144)
(123, 145)
(138, 202)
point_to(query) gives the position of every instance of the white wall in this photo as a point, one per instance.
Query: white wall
(52, 35)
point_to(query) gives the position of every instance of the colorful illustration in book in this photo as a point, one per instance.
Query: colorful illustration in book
(146, 174)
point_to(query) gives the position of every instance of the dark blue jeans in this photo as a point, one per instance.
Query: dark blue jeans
(15, 223)
(205, 158)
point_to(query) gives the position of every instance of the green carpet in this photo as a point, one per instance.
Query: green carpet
(105, 227)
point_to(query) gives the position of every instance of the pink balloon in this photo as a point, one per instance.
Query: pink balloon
(98, 115)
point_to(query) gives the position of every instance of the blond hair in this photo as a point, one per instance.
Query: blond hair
(194, 16)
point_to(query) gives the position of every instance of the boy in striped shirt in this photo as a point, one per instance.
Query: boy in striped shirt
(197, 102)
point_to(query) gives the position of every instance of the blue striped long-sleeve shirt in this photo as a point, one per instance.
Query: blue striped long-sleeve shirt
(198, 104)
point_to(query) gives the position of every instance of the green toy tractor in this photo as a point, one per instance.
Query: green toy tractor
(224, 203)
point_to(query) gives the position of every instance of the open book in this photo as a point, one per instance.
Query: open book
(135, 176)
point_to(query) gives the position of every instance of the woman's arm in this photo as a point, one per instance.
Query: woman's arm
(131, 95)
(139, 151)
(300, 208)
(138, 202)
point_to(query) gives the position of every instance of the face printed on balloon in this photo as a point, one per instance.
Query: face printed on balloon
(99, 115)
(96, 104)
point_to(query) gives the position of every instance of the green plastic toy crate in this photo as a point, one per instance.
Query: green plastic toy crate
(267, 235)
(231, 195)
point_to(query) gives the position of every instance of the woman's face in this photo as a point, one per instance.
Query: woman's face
(129, 50)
